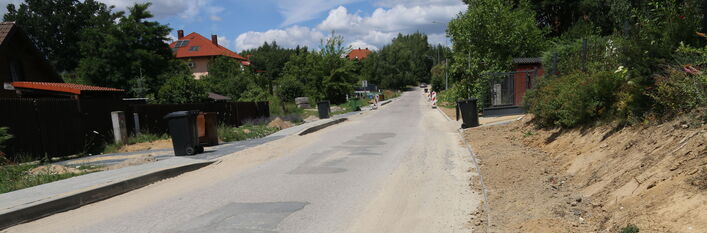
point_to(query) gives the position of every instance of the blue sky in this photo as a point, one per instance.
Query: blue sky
(245, 24)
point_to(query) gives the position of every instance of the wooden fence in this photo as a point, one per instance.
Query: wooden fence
(60, 127)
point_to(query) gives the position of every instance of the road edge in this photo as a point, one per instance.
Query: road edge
(320, 127)
(484, 189)
(77, 200)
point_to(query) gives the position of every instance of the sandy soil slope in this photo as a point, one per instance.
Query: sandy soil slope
(597, 179)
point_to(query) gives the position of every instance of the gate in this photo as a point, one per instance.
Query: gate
(507, 89)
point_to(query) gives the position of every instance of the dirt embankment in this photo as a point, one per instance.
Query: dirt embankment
(595, 179)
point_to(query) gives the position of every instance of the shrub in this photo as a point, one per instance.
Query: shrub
(451, 95)
(229, 134)
(182, 88)
(254, 93)
(679, 92)
(574, 99)
(630, 229)
(289, 88)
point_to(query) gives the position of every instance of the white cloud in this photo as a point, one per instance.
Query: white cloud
(340, 20)
(304, 10)
(409, 3)
(359, 44)
(410, 19)
(289, 37)
(438, 39)
(185, 9)
(373, 31)
(225, 42)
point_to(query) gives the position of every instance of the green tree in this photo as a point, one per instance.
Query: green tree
(488, 36)
(227, 77)
(56, 26)
(305, 67)
(181, 89)
(338, 71)
(134, 47)
(406, 61)
(338, 85)
(271, 58)
(289, 88)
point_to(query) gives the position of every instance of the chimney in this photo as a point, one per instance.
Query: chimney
(214, 39)
(180, 34)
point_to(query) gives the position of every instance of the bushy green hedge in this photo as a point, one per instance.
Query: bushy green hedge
(4, 136)
(678, 92)
(578, 98)
(574, 99)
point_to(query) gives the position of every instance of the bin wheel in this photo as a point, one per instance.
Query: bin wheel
(190, 151)
(199, 149)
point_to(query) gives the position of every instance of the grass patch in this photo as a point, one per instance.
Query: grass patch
(15, 177)
(245, 132)
(352, 105)
(140, 138)
(630, 229)
(389, 94)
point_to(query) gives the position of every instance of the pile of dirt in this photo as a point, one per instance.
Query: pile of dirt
(159, 144)
(53, 169)
(134, 161)
(280, 124)
(598, 179)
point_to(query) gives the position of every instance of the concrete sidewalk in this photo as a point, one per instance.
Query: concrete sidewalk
(210, 153)
(43, 200)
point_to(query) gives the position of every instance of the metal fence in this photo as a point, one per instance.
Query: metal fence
(508, 88)
(60, 127)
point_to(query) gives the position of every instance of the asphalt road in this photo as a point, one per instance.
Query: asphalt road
(401, 168)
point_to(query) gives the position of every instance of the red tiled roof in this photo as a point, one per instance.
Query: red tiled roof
(205, 48)
(63, 87)
(358, 54)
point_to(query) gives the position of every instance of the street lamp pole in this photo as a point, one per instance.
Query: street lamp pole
(446, 62)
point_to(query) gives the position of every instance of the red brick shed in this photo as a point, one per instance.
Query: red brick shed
(526, 71)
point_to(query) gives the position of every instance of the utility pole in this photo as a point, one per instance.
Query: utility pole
(704, 17)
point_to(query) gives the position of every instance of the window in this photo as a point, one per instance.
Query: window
(191, 64)
(16, 73)
(194, 48)
(181, 43)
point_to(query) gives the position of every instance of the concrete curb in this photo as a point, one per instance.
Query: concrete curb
(79, 199)
(484, 189)
(444, 114)
(322, 126)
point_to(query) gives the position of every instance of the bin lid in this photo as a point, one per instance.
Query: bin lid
(180, 114)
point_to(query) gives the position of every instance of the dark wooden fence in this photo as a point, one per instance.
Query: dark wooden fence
(229, 113)
(59, 127)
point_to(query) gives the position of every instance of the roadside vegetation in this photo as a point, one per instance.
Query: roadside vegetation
(134, 139)
(627, 61)
(19, 176)
(245, 132)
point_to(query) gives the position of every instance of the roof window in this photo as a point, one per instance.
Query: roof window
(181, 43)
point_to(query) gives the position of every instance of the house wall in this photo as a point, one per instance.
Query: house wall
(201, 66)
(521, 84)
(18, 51)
